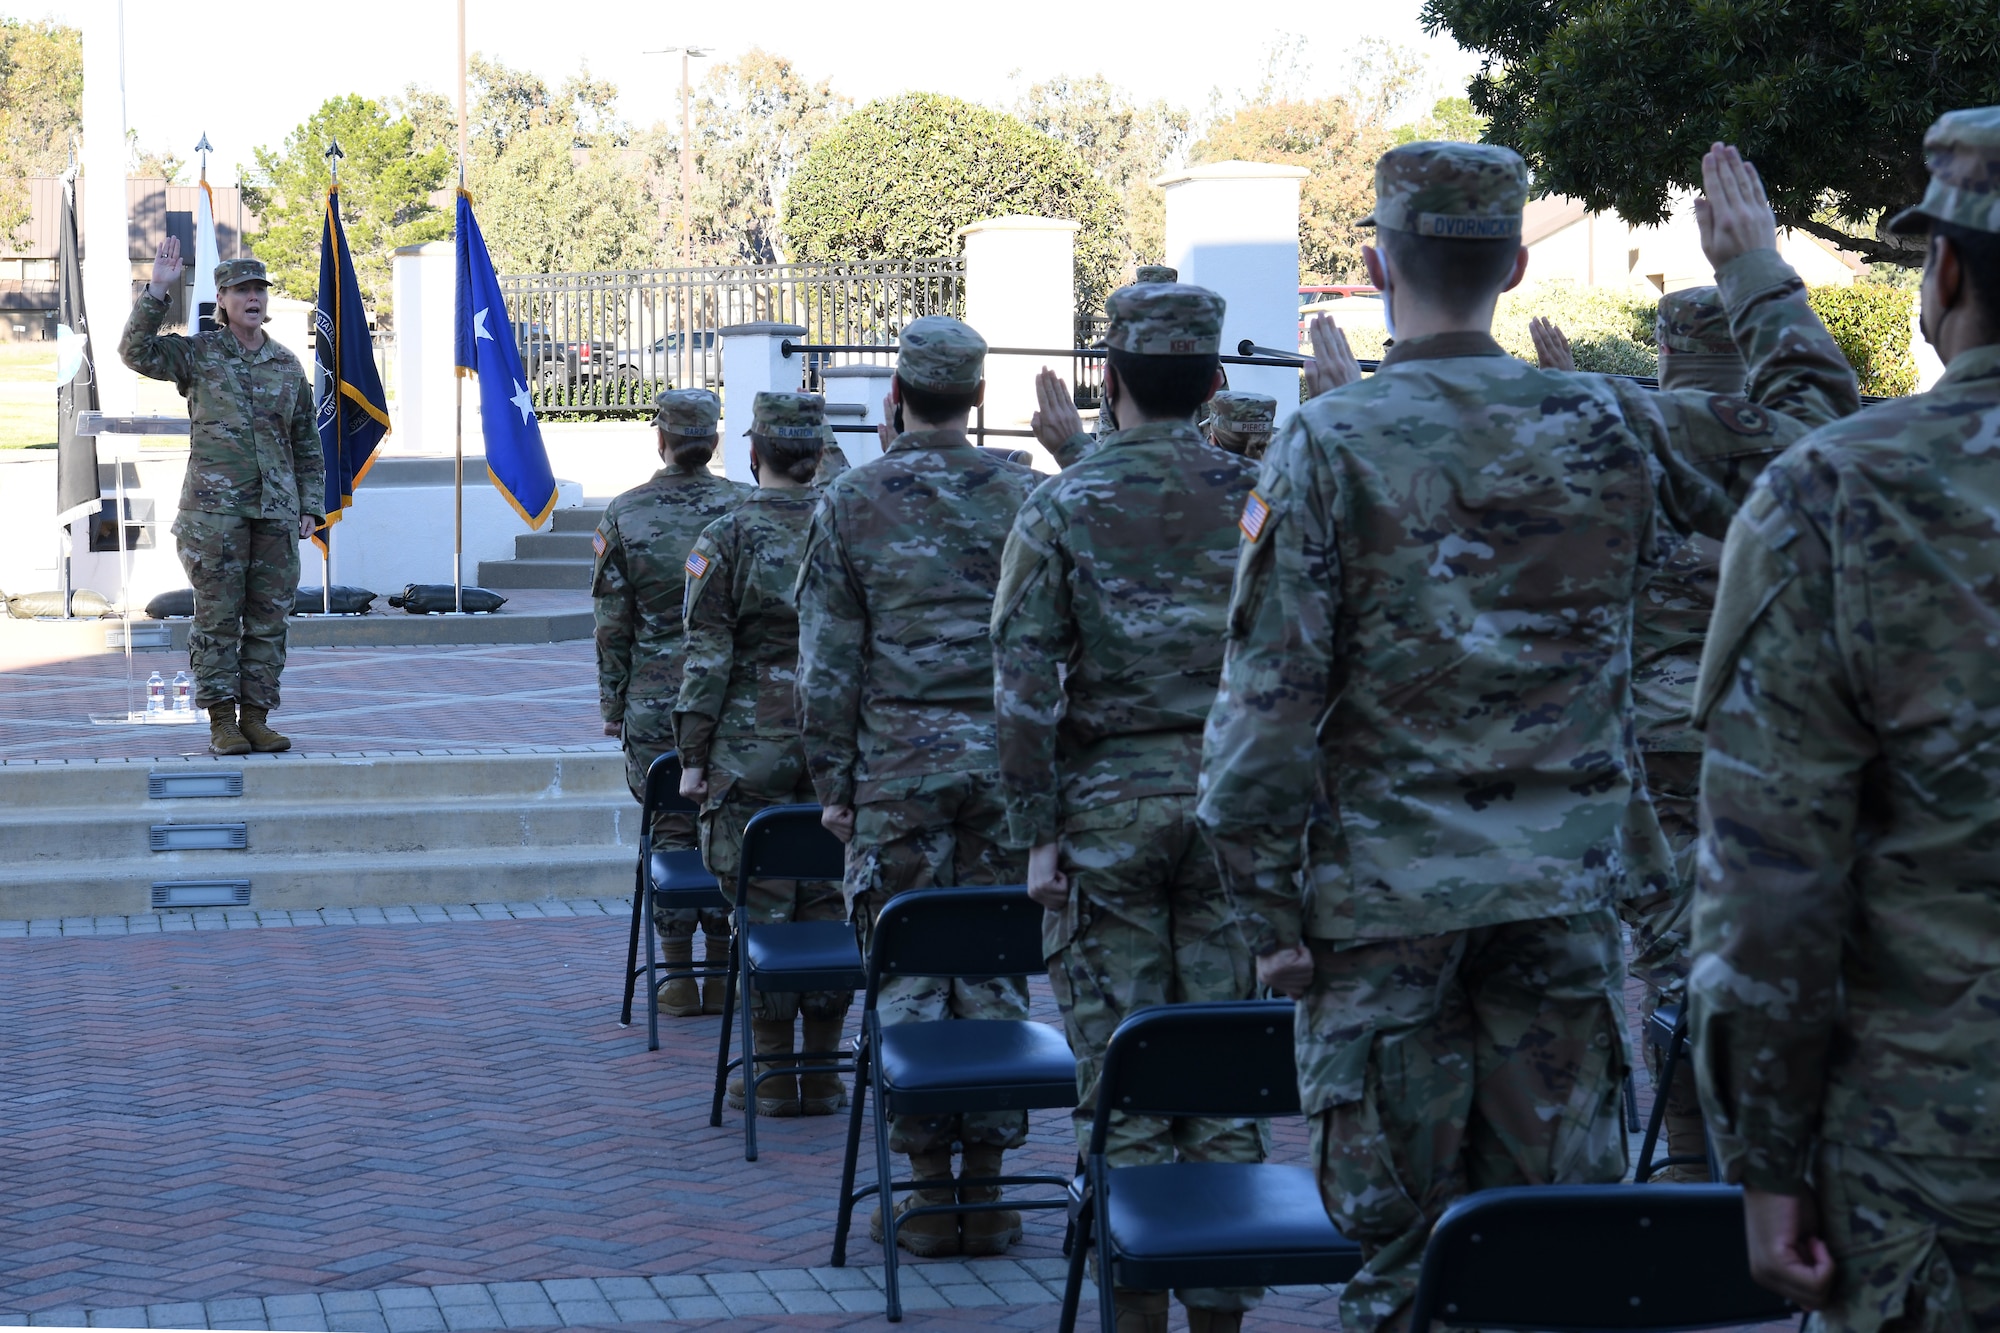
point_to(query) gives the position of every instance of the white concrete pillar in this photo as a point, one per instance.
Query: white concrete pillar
(1233, 227)
(424, 279)
(107, 265)
(1020, 291)
(752, 364)
(849, 388)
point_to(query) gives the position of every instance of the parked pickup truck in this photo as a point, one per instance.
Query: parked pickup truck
(554, 363)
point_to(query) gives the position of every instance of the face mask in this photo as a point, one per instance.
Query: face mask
(898, 422)
(1388, 320)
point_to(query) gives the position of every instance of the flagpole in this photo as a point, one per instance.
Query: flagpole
(458, 379)
(333, 156)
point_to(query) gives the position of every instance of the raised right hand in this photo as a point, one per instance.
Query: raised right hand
(1552, 350)
(1056, 419)
(1332, 365)
(1733, 212)
(167, 267)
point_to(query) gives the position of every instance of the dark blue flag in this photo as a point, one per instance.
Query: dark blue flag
(353, 411)
(515, 458)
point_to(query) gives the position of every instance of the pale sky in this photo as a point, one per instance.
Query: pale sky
(979, 52)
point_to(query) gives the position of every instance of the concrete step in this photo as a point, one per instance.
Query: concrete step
(503, 574)
(581, 519)
(554, 546)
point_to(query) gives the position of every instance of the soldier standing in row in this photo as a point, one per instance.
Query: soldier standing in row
(737, 720)
(1700, 364)
(1846, 979)
(895, 597)
(1419, 775)
(1107, 644)
(1058, 425)
(1241, 422)
(255, 489)
(639, 585)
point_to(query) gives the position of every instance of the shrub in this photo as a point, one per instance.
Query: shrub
(1609, 332)
(1871, 322)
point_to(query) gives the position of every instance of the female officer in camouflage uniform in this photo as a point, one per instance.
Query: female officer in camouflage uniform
(738, 721)
(254, 489)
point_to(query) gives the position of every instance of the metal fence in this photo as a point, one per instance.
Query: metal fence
(607, 342)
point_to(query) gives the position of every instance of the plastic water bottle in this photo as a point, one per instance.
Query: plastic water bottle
(183, 692)
(156, 694)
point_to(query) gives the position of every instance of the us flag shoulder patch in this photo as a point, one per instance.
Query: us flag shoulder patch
(597, 542)
(1255, 514)
(697, 564)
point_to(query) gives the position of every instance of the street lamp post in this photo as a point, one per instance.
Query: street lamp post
(687, 145)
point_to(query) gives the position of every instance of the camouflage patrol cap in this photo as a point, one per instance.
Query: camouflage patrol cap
(1242, 412)
(234, 272)
(1963, 151)
(1694, 320)
(693, 413)
(787, 416)
(941, 354)
(1156, 273)
(1164, 319)
(1466, 191)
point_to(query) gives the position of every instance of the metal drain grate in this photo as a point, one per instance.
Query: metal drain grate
(201, 893)
(178, 786)
(200, 837)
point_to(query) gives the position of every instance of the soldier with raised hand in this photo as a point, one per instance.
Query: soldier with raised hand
(1846, 978)
(895, 596)
(737, 719)
(1241, 422)
(1057, 425)
(1700, 368)
(1107, 644)
(255, 489)
(1419, 774)
(639, 585)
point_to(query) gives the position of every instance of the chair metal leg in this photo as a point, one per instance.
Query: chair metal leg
(1107, 1303)
(1631, 1104)
(847, 1200)
(728, 1016)
(752, 1071)
(1078, 1251)
(1676, 1049)
(632, 942)
(652, 985)
(885, 1195)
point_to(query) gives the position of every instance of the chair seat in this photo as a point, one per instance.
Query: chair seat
(1224, 1224)
(1660, 1025)
(681, 880)
(802, 956)
(976, 1065)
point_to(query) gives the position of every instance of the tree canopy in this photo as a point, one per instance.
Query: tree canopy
(386, 188)
(1614, 101)
(1125, 143)
(41, 109)
(900, 176)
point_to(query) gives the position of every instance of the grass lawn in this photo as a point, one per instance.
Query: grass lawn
(27, 395)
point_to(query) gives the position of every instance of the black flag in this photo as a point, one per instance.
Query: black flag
(77, 490)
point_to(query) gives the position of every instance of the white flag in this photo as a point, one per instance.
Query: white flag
(201, 301)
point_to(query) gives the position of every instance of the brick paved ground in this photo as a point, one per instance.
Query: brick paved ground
(408, 1128)
(336, 699)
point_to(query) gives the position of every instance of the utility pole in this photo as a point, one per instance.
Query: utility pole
(687, 145)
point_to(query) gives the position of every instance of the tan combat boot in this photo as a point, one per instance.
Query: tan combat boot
(1140, 1311)
(224, 736)
(678, 997)
(715, 954)
(935, 1235)
(256, 730)
(777, 1096)
(990, 1230)
(1685, 1132)
(820, 1091)
(1214, 1321)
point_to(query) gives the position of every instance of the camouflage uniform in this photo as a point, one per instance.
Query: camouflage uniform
(1429, 641)
(1241, 422)
(254, 470)
(1072, 451)
(639, 584)
(738, 714)
(896, 688)
(1846, 979)
(1107, 643)
(832, 459)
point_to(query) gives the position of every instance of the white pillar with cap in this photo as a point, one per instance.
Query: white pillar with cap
(1020, 291)
(753, 362)
(1233, 227)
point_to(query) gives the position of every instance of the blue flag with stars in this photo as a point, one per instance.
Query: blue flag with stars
(515, 458)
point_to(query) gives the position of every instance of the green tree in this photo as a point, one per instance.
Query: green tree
(900, 176)
(1125, 143)
(1334, 141)
(41, 110)
(546, 207)
(1450, 118)
(386, 188)
(1614, 101)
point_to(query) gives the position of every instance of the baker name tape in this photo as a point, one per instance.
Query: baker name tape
(1255, 514)
(697, 564)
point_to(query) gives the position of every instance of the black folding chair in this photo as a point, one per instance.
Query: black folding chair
(956, 1065)
(1571, 1258)
(671, 878)
(1667, 1031)
(1201, 1224)
(781, 842)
